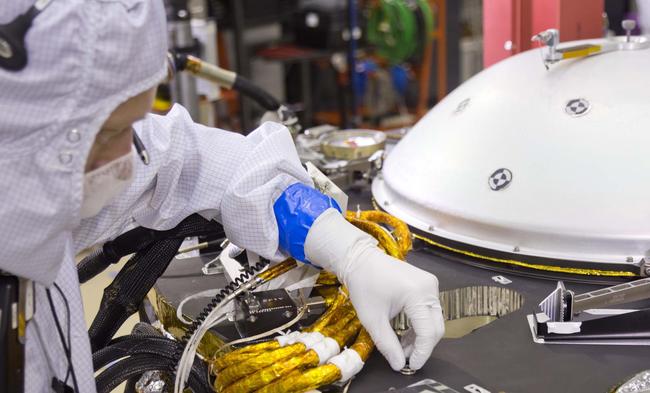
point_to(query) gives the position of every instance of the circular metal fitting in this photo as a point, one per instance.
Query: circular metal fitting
(577, 107)
(407, 371)
(500, 179)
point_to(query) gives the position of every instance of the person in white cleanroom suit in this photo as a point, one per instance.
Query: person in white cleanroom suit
(70, 179)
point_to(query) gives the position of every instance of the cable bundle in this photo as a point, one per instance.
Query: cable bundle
(302, 361)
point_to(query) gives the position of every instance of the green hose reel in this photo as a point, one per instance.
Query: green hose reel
(400, 29)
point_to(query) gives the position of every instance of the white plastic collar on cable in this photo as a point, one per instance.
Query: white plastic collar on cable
(288, 339)
(310, 339)
(325, 347)
(349, 362)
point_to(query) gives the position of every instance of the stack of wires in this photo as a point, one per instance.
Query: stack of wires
(302, 361)
(218, 314)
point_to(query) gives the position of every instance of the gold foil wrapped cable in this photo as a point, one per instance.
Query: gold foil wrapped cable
(269, 367)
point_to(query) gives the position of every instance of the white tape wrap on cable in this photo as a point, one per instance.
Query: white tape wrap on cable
(325, 347)
(349, 362)
(310, 339)
(288, 339)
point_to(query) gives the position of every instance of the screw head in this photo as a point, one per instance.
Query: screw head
(287, 314)
(252, 318)
(5, 49)
(407, 371)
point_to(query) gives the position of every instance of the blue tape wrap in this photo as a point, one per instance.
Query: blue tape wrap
(295, 211)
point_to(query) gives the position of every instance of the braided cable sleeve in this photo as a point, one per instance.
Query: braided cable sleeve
(139, 238)
(137, 365)
(123, 296)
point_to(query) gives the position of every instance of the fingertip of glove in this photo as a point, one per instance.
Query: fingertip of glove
(416, 363)
(397, 362)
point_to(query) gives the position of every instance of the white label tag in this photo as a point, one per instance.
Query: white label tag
(501, 280)
(14, 316)
(474, 388)
(29, 301)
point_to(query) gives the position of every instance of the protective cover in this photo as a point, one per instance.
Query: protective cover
(547, 163)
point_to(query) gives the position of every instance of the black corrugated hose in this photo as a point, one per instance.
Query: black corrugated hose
(127, 357)
(136, 240)
(156, 249)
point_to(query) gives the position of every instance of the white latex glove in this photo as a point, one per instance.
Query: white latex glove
(380, 287)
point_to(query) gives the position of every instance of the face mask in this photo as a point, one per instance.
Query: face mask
(103, 184)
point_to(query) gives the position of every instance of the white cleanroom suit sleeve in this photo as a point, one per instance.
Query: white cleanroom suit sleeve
(196, 169)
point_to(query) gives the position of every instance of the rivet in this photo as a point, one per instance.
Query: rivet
(65, 158)
(74, 136)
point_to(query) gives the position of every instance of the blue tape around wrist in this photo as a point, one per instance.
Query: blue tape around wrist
(295, 211)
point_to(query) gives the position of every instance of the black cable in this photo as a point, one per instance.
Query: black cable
(137, 240)
(137, 365)
(67, 349)
(67, 309)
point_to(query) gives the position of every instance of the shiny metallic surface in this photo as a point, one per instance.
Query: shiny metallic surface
(407, 371)
(183, 86)
(353, 144)
(5, 49)
(640, 383)
(400, 324)
(150, 382)
(469, 308)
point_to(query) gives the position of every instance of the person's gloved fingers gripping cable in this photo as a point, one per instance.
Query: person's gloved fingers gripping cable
(312, 230)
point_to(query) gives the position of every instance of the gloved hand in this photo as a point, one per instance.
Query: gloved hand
(380, 287)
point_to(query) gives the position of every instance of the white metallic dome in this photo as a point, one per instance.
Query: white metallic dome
(545, 163)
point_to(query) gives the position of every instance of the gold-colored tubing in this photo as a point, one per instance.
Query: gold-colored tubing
(273, 372)
(386, 241)
(327, 278)
(226, 360)
(340, 305)
(277, 270)
(341, 322)
(237, 371)
(304, 380)
(344, 330)
(343, 336)
(400, 229)
(277, 370)
(237, 355)
(323, 320)
(319, 376)
(363, 345)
